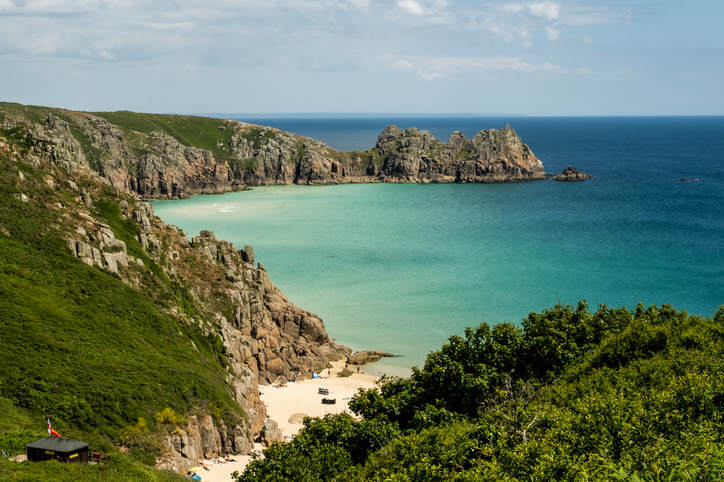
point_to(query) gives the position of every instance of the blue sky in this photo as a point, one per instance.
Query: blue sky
(583, 57)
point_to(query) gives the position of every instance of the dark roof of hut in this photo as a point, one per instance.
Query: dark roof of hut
(57, 444)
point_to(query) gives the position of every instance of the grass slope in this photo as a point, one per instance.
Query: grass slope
(82, 345)
(192, 131)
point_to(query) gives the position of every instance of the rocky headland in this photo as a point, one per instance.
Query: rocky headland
(94, 175)
(157, 165)
(83, 174)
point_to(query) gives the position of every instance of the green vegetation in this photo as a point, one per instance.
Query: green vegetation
(377, 157)
(255, 135)
(570, 395)
(106, 360)
(31, 112)
(119, 467)
(192, 131)
(465, 153)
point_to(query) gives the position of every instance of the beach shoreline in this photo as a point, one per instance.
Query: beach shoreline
(302, 397)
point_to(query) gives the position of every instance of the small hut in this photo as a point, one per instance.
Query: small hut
(58, 448)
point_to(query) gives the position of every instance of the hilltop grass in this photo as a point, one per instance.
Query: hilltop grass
(192, 131)
(33, 113)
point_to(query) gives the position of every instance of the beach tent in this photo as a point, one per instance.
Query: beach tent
(58, 448)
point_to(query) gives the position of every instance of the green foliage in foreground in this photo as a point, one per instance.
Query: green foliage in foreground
(571, 395)
(119, 468)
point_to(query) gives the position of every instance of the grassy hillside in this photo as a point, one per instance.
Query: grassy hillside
(79, 343)
(193, 131)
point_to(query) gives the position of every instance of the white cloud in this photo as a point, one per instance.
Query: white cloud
(522, 22)
(343, 42)
(166, 26)
(583, 16)
(552, 33)
(429, 75)
(456, 65)
(545, 10)
(511, 8)
(403, 64)
(411, 6)
(525, 35)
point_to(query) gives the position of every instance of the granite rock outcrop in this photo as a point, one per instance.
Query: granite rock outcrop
(205, 284)
(490, 156)
(571, 174)
(266, 338)
(156, 165)
(366, 356)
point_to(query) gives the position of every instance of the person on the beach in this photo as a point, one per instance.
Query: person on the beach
(357, 369)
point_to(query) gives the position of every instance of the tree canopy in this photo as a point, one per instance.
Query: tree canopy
(571, 394)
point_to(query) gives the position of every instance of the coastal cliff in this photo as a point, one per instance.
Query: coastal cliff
(211, 156)
(82, 178)
(135, 316)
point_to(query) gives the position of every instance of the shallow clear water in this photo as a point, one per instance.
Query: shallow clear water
(402, 267)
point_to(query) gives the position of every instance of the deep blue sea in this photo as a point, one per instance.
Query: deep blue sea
(401, 267)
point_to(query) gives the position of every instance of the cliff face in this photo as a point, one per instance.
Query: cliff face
(89, 171)
(265, 338)
(99, 172)
(158, 166)
(490, 156)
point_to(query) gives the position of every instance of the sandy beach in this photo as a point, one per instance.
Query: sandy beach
(301, 397)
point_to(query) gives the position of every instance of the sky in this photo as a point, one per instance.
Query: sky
(542, 58)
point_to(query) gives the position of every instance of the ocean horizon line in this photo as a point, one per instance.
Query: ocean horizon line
(383, 115)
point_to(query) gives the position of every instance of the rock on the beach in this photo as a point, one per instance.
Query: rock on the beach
(270, 433)
(298, 418)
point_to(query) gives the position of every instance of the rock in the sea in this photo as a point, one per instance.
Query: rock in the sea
(367, 356)
(571, 174)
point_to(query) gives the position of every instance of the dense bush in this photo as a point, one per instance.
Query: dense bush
(570, 395)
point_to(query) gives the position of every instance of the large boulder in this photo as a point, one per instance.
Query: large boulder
(298, 418)
(270, 433)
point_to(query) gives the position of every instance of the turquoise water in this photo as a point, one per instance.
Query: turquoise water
(401, 267)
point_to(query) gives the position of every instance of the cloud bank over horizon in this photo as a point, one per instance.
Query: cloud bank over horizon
(583, 57)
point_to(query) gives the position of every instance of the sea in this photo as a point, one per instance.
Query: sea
(402, 267)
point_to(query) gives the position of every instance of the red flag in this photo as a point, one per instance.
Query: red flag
(51, 431)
